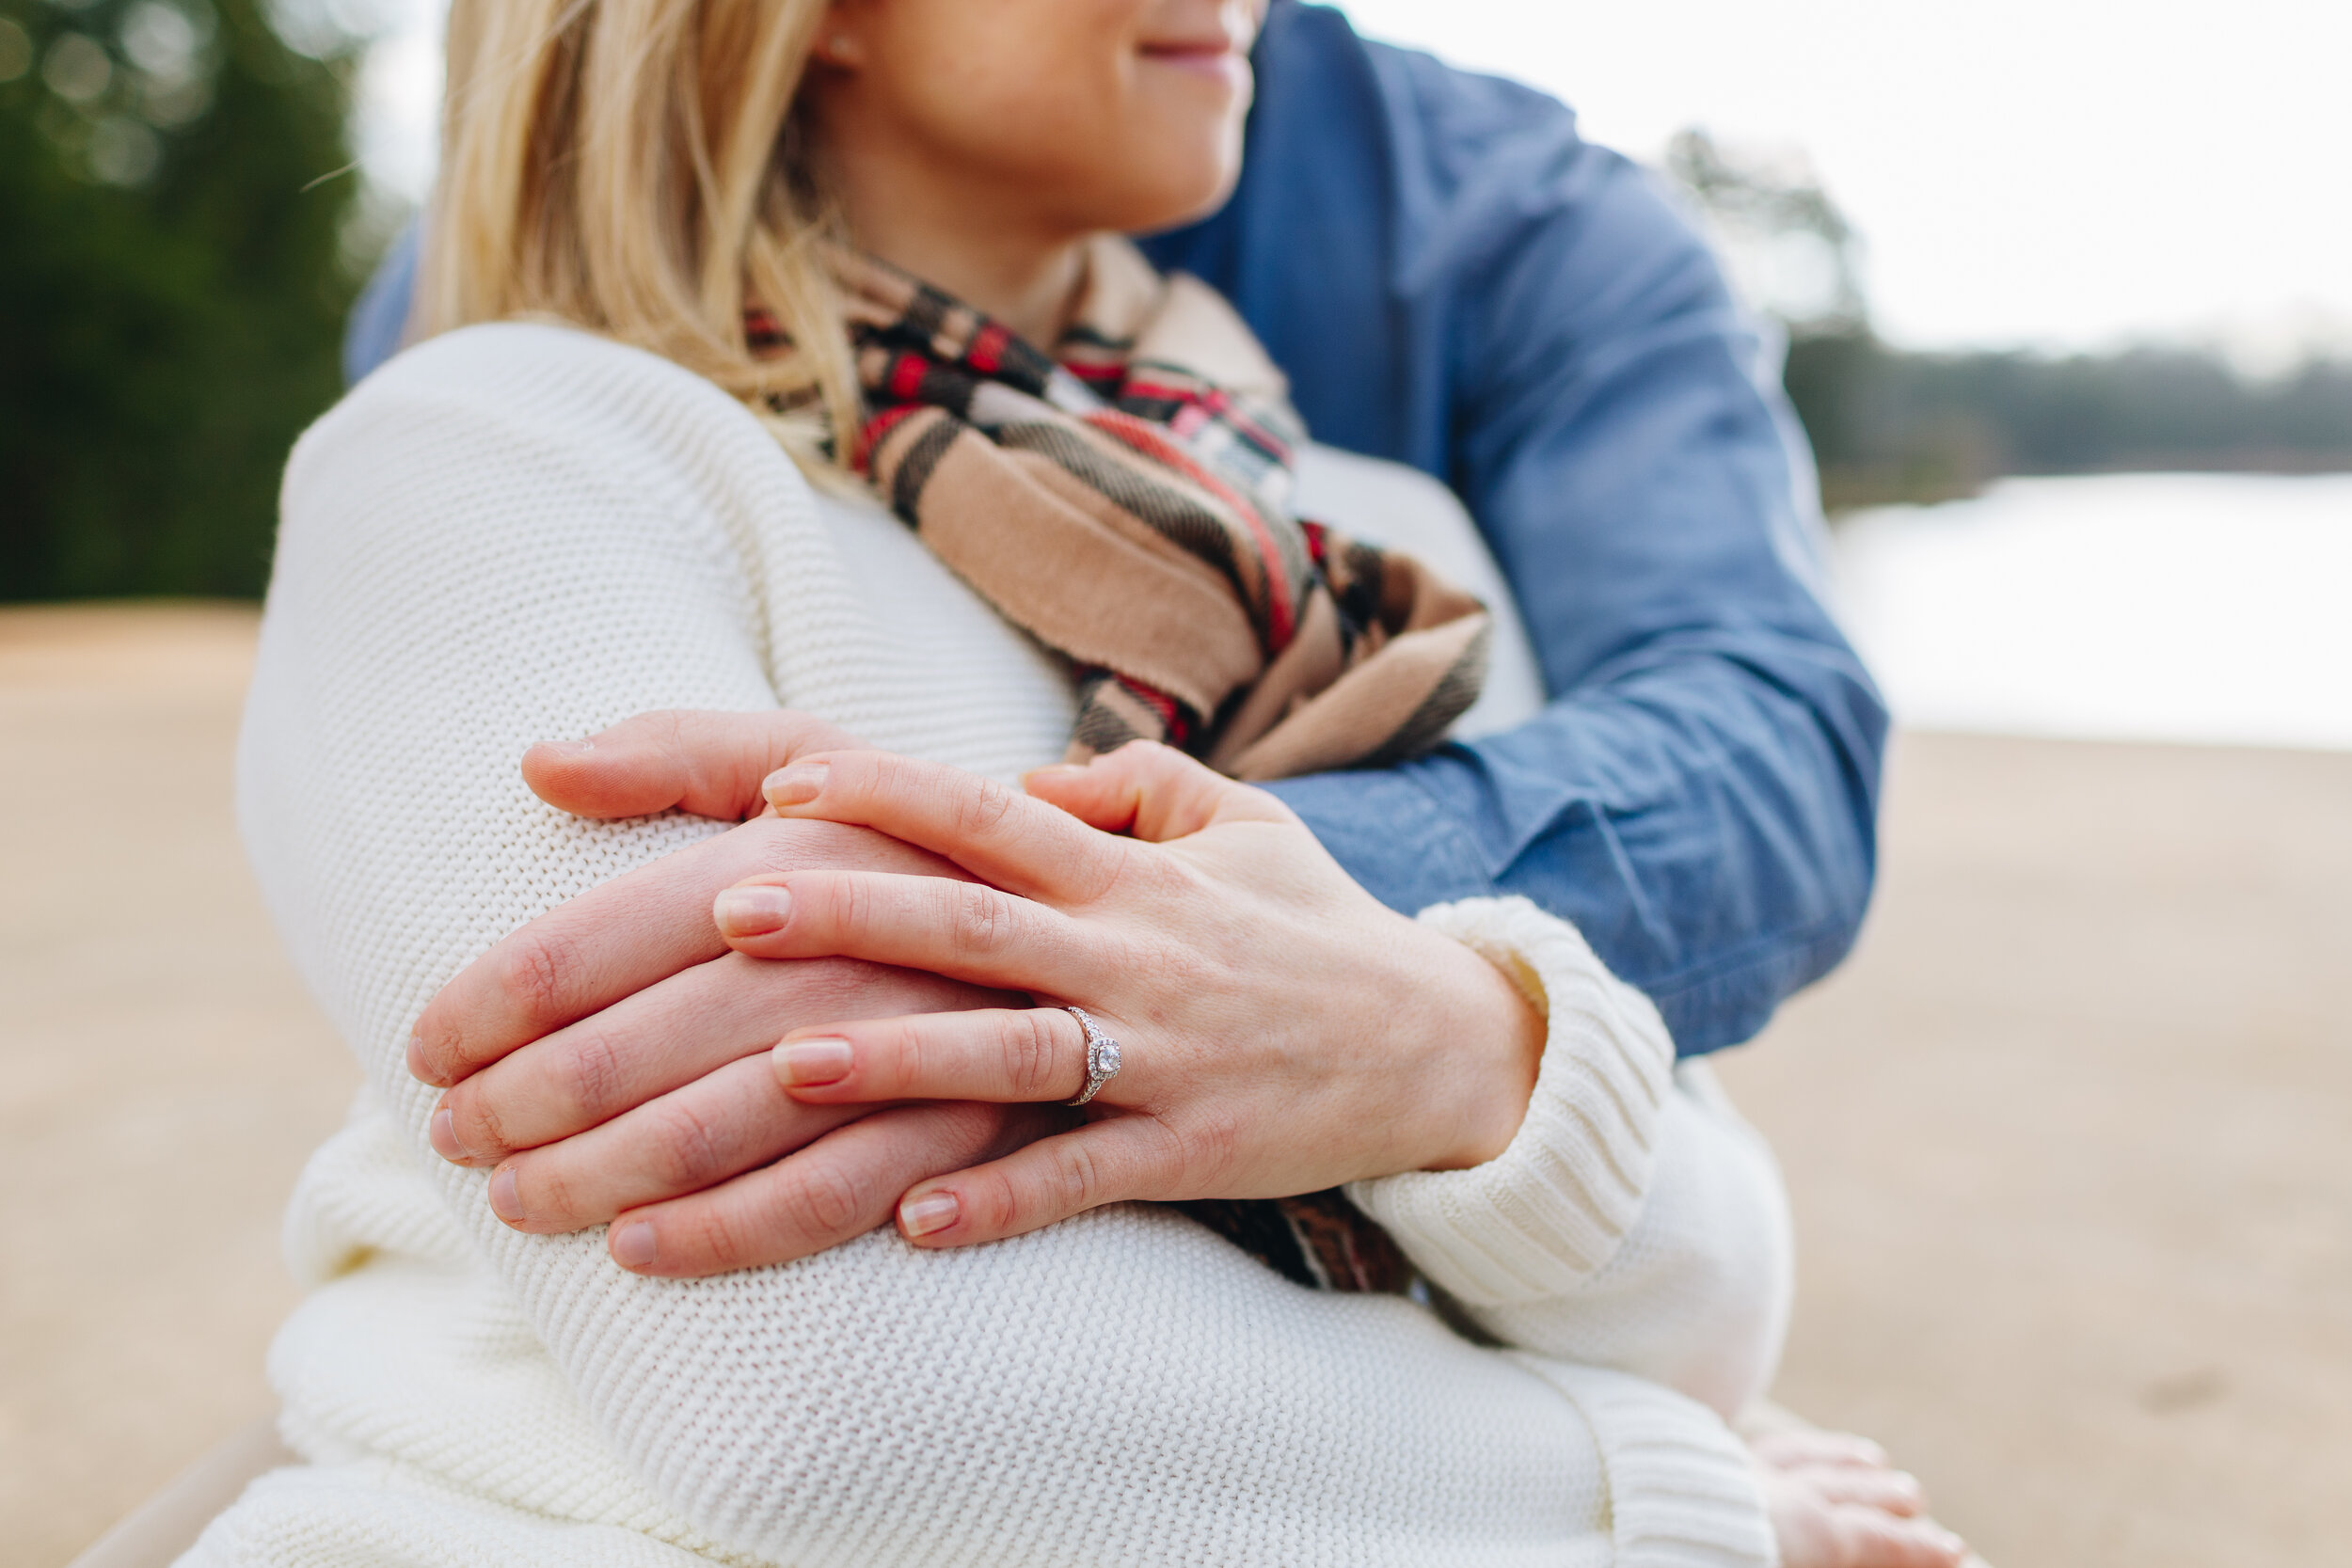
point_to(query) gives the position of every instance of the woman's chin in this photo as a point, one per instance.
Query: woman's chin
(1187, 173)
(1197, 201)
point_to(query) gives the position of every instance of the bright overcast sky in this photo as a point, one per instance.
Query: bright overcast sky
(2059, 172)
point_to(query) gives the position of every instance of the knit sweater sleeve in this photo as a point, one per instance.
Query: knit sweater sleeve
(514, 533)
(1634, 1222)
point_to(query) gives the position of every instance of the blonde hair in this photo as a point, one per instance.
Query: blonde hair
(634, 168)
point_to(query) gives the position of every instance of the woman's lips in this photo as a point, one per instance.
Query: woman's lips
(1215, 57)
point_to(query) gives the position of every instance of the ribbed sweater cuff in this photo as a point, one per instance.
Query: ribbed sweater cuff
(1682, 1490)
(1542, 1217)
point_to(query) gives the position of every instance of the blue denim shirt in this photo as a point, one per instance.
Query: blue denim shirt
(1454, 279)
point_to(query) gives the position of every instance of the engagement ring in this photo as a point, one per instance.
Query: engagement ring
(1102, 1055)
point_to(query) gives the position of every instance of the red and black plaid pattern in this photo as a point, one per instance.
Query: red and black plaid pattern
(1157, 441)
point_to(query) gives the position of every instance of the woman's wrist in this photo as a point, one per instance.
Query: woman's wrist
(1541, 1217)
(1489, 1042)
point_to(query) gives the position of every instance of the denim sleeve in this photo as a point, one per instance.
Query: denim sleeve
(379, 318)
(1700, 796)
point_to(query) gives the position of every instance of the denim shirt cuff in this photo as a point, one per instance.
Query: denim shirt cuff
(1391, 836)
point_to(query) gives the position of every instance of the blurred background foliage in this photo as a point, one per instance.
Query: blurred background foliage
(178, 248)
(1891, 425)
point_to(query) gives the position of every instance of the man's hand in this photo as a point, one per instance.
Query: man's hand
(611, 1054)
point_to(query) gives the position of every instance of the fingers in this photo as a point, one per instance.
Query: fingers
(959, 929)
(1003, 1055)
(1791, 1447)
(723, 1124)
(663, 1038)
(998, 834)
(1112, 1161)
(1153, 792)
(709, 764)
(837, 1188)
(1896, 1492)
(616, 939)
(1869, 1539)
(1835, 1503)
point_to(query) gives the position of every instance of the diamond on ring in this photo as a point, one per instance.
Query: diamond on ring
(1102, 1055)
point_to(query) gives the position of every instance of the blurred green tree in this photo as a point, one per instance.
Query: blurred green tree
(176, 200)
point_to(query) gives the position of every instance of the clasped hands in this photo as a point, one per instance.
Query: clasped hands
(849, 1007)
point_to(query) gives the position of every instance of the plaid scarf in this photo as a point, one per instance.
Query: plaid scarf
(1127, 501)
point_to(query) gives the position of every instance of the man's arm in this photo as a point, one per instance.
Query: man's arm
(379, 317)
(1454, 279)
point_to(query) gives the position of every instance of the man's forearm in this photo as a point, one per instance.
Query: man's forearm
(1530, 320)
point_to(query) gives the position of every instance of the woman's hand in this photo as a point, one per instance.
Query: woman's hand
(1282, 1031)
(612, 1053)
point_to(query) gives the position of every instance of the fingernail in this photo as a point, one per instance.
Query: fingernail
(752, 912)
(442, 1130)
(504, 1202)
(798, 784)
(932, 1211)
(632, 1245)
(568, 748)
(420, 1068)
(823, 1060)
(1054, 770)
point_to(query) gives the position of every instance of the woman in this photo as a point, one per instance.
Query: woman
(526, 530)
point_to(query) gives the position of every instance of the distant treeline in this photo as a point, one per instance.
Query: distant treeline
(1887, 425)
(1890, 425)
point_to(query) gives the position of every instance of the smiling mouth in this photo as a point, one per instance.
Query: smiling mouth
(1201, 54)
(1216, 59)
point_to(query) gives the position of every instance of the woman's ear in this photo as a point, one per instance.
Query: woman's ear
(840, 36)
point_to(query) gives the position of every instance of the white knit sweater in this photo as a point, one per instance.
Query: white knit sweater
(516, 532)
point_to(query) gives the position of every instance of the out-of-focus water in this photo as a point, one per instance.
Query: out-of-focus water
(2212, 607)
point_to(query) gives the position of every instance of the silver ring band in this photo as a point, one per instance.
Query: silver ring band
(1102, 1055)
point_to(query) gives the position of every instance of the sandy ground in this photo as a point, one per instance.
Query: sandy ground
(2067, 1138)
(162, 1072)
